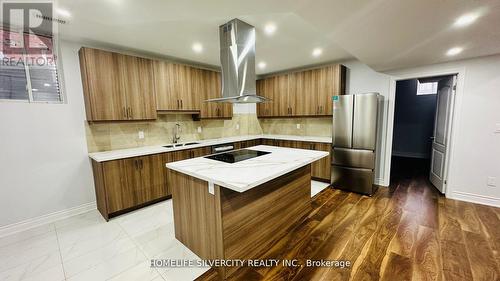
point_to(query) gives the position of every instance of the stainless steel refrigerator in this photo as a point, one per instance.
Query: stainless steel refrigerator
(354, 142)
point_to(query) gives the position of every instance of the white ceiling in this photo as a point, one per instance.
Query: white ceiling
(385, 34)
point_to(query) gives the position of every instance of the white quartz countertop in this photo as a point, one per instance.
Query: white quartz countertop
(244, 175)
(148, 150)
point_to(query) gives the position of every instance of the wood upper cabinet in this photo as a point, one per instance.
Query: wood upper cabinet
(136, 82)
(173, 87)
(116, 87)
(207, 85)
(276, 89)
(101, 86)
(303, 93)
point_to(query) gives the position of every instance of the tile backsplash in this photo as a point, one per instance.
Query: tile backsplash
(317, 126)
(120, 135)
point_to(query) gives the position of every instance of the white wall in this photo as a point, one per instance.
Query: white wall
(362, 79)
(476, 146)
(43, 152)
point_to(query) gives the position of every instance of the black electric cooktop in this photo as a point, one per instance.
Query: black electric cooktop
(237, 155)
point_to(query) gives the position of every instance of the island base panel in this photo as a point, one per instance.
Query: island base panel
(234, 225)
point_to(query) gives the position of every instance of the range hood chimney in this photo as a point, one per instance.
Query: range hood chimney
(237, 56)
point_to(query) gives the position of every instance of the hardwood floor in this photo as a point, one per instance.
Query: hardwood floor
(405, 232)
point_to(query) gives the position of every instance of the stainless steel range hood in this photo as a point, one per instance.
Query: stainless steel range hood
(237, 56)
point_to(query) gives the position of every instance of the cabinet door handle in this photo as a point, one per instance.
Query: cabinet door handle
(178, 104)
(181, 104)
(136, 164)
(131, 113)
(125, 115)
(291, 111)
(142, 164)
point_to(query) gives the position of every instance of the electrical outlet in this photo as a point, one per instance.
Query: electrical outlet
(237, 126)
(199, 129)
(298, 126)
(141, 135)
(492, 181)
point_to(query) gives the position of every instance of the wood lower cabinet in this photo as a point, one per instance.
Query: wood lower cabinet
(302, 93)
(248, 143)
(127, 183)
(116, 87)
(320, 169)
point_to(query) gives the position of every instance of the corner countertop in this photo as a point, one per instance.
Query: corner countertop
(247, 174)
(148, 150)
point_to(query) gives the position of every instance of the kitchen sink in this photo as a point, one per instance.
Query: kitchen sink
(180, 144)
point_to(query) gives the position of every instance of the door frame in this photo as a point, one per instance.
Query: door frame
(453, 133)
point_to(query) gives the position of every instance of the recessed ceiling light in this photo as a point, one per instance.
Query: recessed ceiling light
(270, 28)
(46, 84)
(317, 52)
(454, 51)
(63, 12)
(197, 47)
(262, 65)
(466, 19)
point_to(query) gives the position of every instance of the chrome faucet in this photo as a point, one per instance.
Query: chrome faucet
(176, 136)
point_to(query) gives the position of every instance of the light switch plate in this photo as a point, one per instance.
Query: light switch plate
(298, 126)
(199, 129)
(492, 181)
(237, 126)
(141, 135)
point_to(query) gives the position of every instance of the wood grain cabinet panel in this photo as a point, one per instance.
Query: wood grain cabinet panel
(104, 100)
(129, 183)
(302, 93)
(136, 82)
(117, 193)
(116, 87)
(173, 87)
(276, 90)
(207, 85)
(321, 168)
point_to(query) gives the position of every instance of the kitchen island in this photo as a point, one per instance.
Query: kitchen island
(237, 210)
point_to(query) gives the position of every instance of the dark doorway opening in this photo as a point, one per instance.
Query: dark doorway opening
(417, 107)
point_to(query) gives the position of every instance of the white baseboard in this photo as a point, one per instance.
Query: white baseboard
(411, 154)
(45, 219)
(380, 182)
(474, 198)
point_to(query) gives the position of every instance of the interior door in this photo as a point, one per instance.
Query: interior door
(441, 127)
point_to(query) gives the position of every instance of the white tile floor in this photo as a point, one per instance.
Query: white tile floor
(86, 247)
(317, 186)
